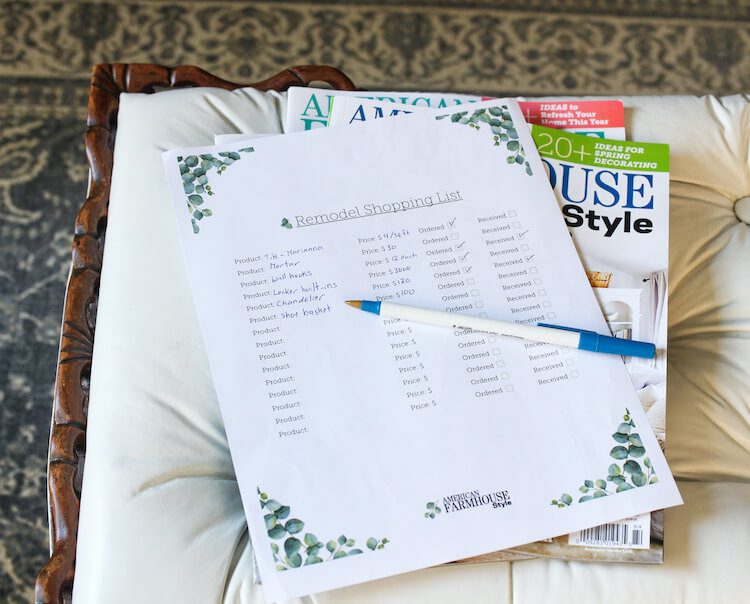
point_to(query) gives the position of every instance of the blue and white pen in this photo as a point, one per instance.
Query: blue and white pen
(541, 332)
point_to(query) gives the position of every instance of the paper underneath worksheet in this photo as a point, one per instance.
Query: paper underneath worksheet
(599, 118)
(366, 447)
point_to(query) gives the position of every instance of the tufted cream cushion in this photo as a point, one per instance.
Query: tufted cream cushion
(161, 519)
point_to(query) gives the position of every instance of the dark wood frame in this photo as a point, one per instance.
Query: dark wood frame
(67, 444)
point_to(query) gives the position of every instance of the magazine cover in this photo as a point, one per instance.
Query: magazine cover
(604, 118)
(614, 197)
(309, 108)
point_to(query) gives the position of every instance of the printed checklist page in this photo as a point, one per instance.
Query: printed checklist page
(366, 447)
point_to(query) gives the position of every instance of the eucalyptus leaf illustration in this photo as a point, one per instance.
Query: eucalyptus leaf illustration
(498, 121)
(630, 475)
(292, 545)
(303, 550)
(294, 526)
(195, 171)
(619, 453)
(285, 223)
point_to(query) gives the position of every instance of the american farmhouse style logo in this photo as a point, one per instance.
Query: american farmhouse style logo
(466, 501)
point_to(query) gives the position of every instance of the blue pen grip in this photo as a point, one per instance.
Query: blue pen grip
(371, 306)
(590, 340)
(607, 344)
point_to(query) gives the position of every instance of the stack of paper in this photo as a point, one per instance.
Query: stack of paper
(366, 447)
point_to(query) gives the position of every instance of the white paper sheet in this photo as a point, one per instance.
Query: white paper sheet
(348, 433)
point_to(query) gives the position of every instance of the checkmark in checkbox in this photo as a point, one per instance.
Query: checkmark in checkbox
(467, 269)
(452, 223)
(464, 257)
(530, 258)
(523, 234)
(460, 245)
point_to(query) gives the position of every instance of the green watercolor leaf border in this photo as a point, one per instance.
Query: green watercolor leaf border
(293, 549)
(630, 474)
(500, 124)
(195, 171)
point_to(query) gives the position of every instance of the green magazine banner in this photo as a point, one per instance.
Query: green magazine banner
(600, 153)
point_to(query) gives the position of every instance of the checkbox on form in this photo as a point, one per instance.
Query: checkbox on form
(533, 269)
(454, 235)
(516, 225)
(512, 214)
(525, 247)
(475, 293)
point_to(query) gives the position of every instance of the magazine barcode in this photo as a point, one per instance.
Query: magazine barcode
(619, 534)
(637, 537)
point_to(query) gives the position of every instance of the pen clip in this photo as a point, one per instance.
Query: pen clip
(562, 327)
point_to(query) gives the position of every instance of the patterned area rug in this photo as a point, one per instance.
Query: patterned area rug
(532, 47)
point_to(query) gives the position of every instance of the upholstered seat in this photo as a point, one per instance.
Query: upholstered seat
(161, 518)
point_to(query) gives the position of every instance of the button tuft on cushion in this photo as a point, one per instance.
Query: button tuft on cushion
(742, 209)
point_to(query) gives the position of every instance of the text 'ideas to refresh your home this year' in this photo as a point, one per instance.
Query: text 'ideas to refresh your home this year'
(366, 447)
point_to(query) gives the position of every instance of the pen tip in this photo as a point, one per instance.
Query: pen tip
(355, 303)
